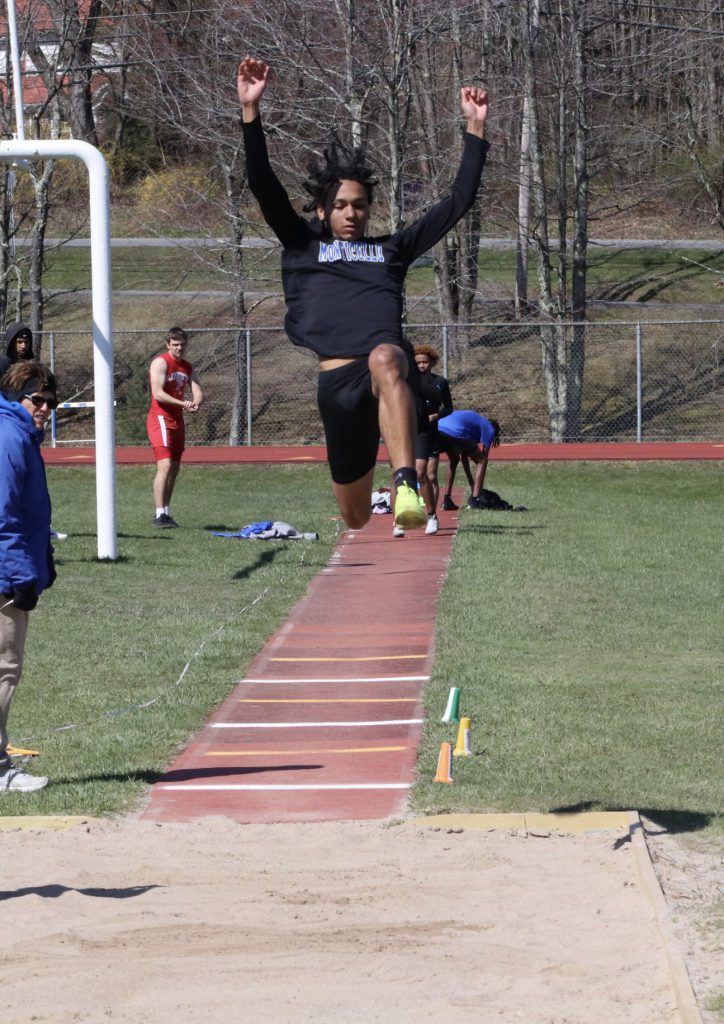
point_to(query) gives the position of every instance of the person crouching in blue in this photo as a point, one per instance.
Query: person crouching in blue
(28, 395)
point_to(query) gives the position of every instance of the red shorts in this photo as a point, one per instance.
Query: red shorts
(167, 436)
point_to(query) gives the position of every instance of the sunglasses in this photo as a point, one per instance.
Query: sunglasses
(40, 400)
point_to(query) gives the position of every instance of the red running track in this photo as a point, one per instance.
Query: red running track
(327, 722)
(587, 451)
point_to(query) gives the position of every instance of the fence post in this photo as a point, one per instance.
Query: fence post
(53, 415)
(444, 351)
(249, 440)
(639, 385)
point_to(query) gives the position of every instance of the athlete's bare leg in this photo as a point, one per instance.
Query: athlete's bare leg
(432, 465)
(388, 370)
(425, 485)
(355, 500)
(452, 466)
(398, 420)
(164, 480)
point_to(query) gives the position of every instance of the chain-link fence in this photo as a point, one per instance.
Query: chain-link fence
(657, 381)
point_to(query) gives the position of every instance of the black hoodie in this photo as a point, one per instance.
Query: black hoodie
(11, 356)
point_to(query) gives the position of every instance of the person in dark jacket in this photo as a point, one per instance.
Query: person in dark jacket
(18, 345)
(435, 393)
(343, 289)
(26, 555)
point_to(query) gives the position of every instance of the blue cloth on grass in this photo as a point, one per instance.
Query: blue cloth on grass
(246, 531)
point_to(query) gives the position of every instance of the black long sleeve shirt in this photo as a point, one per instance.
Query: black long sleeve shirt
(435, 392)
(345, 298)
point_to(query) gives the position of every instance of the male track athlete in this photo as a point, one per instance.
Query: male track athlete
(343, 291)
(467, 433)
(170, 375)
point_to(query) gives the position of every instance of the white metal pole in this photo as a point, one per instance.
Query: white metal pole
(54, 414)
(12, 151)
(17, 79)
(249, 417)
(639, 386)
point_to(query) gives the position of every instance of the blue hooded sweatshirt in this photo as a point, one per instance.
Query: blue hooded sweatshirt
(25, 548)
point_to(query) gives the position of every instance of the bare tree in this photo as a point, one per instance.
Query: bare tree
(67, 65)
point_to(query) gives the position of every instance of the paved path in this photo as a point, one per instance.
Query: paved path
(326, 724)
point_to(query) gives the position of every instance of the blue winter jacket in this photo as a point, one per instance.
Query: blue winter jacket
(25, 550)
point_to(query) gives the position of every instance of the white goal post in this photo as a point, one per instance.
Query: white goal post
(15, 151)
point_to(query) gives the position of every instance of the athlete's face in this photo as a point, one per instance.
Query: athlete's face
(22, 346)
(176, 348)
(348, 212)
(423, 363)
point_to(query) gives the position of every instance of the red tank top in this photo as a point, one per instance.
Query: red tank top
(178, 378)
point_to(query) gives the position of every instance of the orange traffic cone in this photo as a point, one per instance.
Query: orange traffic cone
(444, 764)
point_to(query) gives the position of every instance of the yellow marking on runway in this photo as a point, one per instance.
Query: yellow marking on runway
(373, 657)
(285, 753)
(326, 700)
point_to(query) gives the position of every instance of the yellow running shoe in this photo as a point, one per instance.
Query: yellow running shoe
(410, 512)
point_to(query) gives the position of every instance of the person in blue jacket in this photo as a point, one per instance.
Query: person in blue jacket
(26, 555)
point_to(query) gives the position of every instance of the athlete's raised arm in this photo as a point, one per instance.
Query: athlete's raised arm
(251, 81)
(474, 107)
(278, 212)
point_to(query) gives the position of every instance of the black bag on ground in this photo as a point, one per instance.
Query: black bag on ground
(492, 501)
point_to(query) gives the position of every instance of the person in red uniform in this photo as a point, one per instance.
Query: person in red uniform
(170, 378)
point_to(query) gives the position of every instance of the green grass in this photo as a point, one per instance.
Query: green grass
(585, 635)
(586, 638)
(111, 636)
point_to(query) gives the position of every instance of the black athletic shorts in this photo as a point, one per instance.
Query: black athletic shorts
(427, 444)
(350, 419)
(457, 445)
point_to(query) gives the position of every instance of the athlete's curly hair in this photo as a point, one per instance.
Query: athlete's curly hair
(338, 162)
(427, 350)
(496, 436)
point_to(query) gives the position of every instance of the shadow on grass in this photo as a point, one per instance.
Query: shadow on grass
(264, 559)
(499, 529)
(667, 821)
(62, 558)
(54, 891)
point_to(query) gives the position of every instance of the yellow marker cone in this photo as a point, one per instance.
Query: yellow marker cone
(452, 711)
(462, 747)
(444, 764)
(21, 752)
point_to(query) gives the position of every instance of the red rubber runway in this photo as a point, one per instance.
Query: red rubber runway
(326, 724)
(587, 451)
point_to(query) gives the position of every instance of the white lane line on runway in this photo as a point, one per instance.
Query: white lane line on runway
(355, 679)
(238, 787)
(312, 725)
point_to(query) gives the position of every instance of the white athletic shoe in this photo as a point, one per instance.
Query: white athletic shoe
(432, 525)
(17, 780)
(54, 535)
(397, 531)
